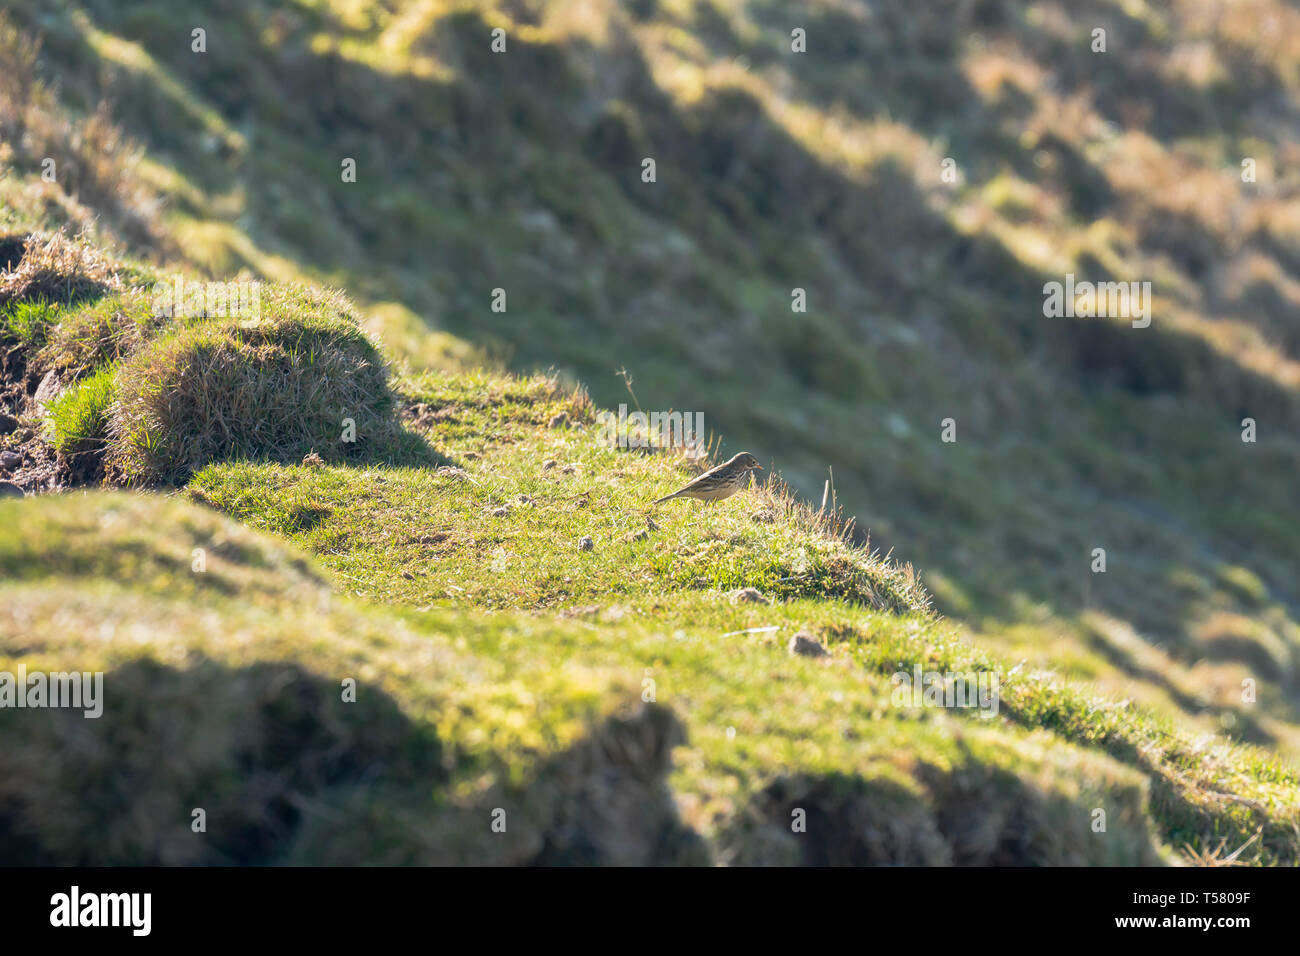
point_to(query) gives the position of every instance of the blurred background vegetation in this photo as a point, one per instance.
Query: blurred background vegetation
(776, 171)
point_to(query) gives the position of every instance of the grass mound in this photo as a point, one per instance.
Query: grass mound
(143, 397)
(974, 813)
(161, 546)
(793, 551)
(301, 377)
(535, 480)
(223, 692)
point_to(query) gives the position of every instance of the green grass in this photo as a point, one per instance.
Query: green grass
(637, 659)
(503, 533)
(78, 418)
(501, 664)
(459, 713)
(27, 323)
(526, 704)
(781, 171)
(776, 172)
(87, 337)
(300, 377)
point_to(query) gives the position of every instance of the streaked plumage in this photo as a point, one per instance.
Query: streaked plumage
(720, 482)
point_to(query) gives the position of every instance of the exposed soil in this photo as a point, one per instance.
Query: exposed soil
(37, 468)
(28, 462)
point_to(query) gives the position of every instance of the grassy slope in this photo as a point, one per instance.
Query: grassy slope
(1082, 437)
(535, 706)
(819, 172)
(505, 671)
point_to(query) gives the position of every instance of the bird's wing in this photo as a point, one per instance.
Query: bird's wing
(704, 478)
(697, 483)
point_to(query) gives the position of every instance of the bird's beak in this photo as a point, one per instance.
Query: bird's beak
(760, 467)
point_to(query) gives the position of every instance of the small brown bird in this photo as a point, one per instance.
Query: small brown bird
(720, 482)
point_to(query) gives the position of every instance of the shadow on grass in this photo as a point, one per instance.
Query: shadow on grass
(285, 771)
(972, 815)
(253, 747)
(1246, 727)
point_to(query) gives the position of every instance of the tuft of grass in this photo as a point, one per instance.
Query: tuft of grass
(28, 323)
(300, 377)
(78, 418)
(59, 268)
(86, 337)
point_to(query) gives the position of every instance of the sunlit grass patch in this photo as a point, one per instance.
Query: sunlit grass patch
(78, 418)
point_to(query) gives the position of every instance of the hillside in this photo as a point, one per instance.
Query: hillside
(522, 635)
(442, 552)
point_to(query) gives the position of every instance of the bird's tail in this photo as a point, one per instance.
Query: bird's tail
(666, 498)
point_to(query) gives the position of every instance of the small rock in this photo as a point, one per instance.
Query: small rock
(7, 423)
(586, 544)
(408, 575)
(549, 464)
(748, 596)
(9, 460)
(47, 391)
(569, 470)
(9, 490)
(762, 517)
(559, 421)
(447, 471)
(639, 535)
(313, 460)
(501, 512)
(805, 645)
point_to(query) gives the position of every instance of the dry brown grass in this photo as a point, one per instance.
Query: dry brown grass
(58, 268)
(95, 164)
